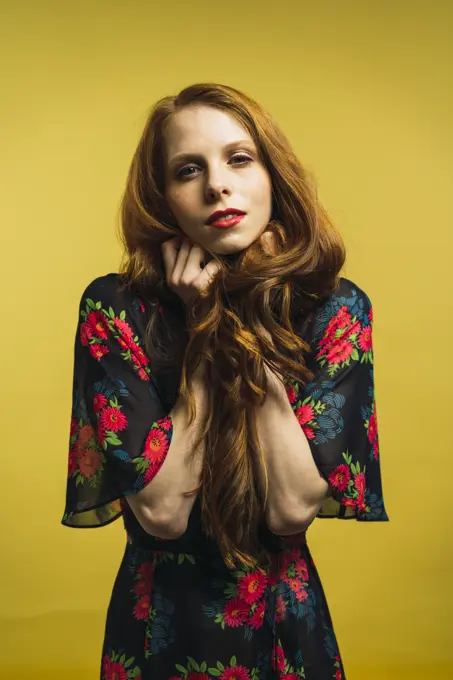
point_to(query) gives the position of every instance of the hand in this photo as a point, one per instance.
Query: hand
(183, 267)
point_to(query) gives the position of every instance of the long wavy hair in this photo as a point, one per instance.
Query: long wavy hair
(244, 321)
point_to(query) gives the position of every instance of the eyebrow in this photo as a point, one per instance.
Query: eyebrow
(197, 156)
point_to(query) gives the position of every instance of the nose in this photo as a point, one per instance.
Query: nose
(216, 184)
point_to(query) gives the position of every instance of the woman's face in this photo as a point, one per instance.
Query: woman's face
(212, 164)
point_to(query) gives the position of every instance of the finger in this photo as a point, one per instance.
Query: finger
(196, 257)
(170, 249)
(206, 276)
(181, 262)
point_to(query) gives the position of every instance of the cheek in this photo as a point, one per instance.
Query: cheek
(263, 192)
(179, 202)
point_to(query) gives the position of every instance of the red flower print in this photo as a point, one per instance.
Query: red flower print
(235, 673)
(98, 351)
(141, 587)
(338, 674)
(376, 449)
(278, 659)
(146, 570)
(353, 328)
(101, 434)
(343, 317)
(113, 419)
(252, 586)
(85, 435)
(143, 374)
(165, 423)
(156, 446)
(235, 613)
(340, 477)
(301, 595)
(97, 323)
(99, 402)
(372, 427)
(305, 414)
(74, 426)
(308, 432)
(360, 484)
(340, 351)
(291, 392)
(122, 344)
(197, 676)
(141, 305)
(365, 341)
(294, 584)
(123, 327)
(88, 462)
(116, 671)
(85, 334)
(106, 665)
(370, 315)
(280, 609)
(348, 502)
(141, 356)
(135, 360)
(72, 462)
(141, 609)
(257, 619)
(302, 569)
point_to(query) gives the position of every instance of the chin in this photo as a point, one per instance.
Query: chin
(232, 246)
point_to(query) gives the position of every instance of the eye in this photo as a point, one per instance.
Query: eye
(242, 157)
(239, 157)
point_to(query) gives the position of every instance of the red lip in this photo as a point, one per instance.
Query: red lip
(218, 214)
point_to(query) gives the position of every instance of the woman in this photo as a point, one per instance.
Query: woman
(223, 399)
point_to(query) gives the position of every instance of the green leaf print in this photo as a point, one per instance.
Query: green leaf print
(220, 666)
(136, 672)
(203, 667)
(214, 671)
(98, 305)
(90, 303)
(129, 662)
(113, 439)
(354, 355)
(193, 664)
(181, 669)
(123, 315)
(123, 659)
(233, 661)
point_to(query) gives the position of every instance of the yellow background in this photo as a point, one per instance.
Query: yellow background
(363, 91)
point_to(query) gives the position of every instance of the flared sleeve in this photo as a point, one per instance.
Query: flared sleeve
(119, 430)
(337, 409)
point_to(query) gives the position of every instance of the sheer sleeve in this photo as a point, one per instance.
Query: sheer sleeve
(119, 431)
(337, 409)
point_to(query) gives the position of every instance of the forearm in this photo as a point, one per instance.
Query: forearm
(165, 508)
(296, 489)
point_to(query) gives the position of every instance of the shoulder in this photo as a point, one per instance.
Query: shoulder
(347, 307)
(109, 291)
(107, 300)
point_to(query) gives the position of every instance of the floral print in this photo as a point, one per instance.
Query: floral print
(176, 611)
(344, 441)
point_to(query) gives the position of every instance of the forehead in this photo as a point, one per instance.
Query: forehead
(197, 129)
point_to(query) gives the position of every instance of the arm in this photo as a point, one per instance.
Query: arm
(296, 488)
(161, 508)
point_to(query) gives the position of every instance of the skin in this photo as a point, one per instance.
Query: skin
(215, 178)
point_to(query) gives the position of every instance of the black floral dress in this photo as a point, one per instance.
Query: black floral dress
(176, 611)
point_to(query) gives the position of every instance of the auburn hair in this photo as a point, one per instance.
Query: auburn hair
(254, 297)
